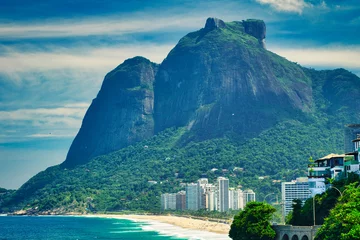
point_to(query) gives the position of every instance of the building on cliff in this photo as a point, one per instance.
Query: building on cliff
(353, 166)
(330, 166)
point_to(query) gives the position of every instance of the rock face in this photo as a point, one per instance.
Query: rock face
(215, 81)
(121, 114)
(223, 80)
(212, 23)
(256, 28)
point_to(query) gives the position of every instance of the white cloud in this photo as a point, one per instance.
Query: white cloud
(190, 16)
(332, 56)
(49, 135)
(42, 122)
(286, 5)
(103, 59)
(45, 113)
(98, 26)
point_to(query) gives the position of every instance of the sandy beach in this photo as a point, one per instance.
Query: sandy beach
(182, 222)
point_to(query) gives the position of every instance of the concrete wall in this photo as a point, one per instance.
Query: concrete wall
(288, 232)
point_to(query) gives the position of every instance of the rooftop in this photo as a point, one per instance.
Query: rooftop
(331, 155)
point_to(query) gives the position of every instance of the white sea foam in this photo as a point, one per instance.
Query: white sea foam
(171, 230)
(166, 229)
(3, 215)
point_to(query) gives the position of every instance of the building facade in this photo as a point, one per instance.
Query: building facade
(249, 196)
(236, 199)
(192, 196)
(297, 189)
(181, 201)
(223, 188)
(330, 166)
(202, 182)
(168, 201)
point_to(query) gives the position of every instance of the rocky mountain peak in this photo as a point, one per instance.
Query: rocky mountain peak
(120, 115)
(215, 80)
(212, 23)
(256, 28)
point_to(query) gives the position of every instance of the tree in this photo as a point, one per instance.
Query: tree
(296, 216)
(343, 222)
(253, 223)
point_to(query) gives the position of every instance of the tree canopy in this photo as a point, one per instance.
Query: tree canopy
(253, 223)
(295, 217)
(343, 222)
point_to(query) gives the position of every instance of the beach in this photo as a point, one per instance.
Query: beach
(185, 225)
(183, 222)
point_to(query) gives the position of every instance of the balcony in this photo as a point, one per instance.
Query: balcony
(319, 172)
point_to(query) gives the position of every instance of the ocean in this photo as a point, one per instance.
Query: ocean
(81, 228)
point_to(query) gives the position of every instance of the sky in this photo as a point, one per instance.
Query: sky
(54, 55)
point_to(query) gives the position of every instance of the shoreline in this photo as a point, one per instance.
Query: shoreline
(170, 224)
(183, 222)
(176, 226)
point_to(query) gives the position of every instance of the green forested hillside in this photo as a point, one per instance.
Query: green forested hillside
(119, 180)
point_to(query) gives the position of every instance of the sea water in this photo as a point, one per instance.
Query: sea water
(81, 228)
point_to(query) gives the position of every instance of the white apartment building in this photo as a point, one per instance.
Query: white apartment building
(249, 196)
(223, 188)
(202, 182)
(210, 200)
(296, 189)
(168, 201)
(192, 196)
(236, 199)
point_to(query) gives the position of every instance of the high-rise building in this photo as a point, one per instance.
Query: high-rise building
(202, 182)
(210, 202)
(223, 188)
(192, 196)
(216, 199)
(297, 189)
(168, 201)
(231, 198)
(249, 196)
(236, 199)
(181, 200)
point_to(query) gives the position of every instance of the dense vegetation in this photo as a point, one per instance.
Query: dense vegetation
(119, 181)
(253, 223)
(343, 223)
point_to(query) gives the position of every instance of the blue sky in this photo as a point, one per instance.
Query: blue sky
(54, 55)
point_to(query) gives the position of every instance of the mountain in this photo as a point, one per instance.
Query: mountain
(221, 79)
(120, 115)
(218, 100)
(215, 80)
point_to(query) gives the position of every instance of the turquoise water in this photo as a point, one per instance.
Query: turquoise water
(54, 228)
